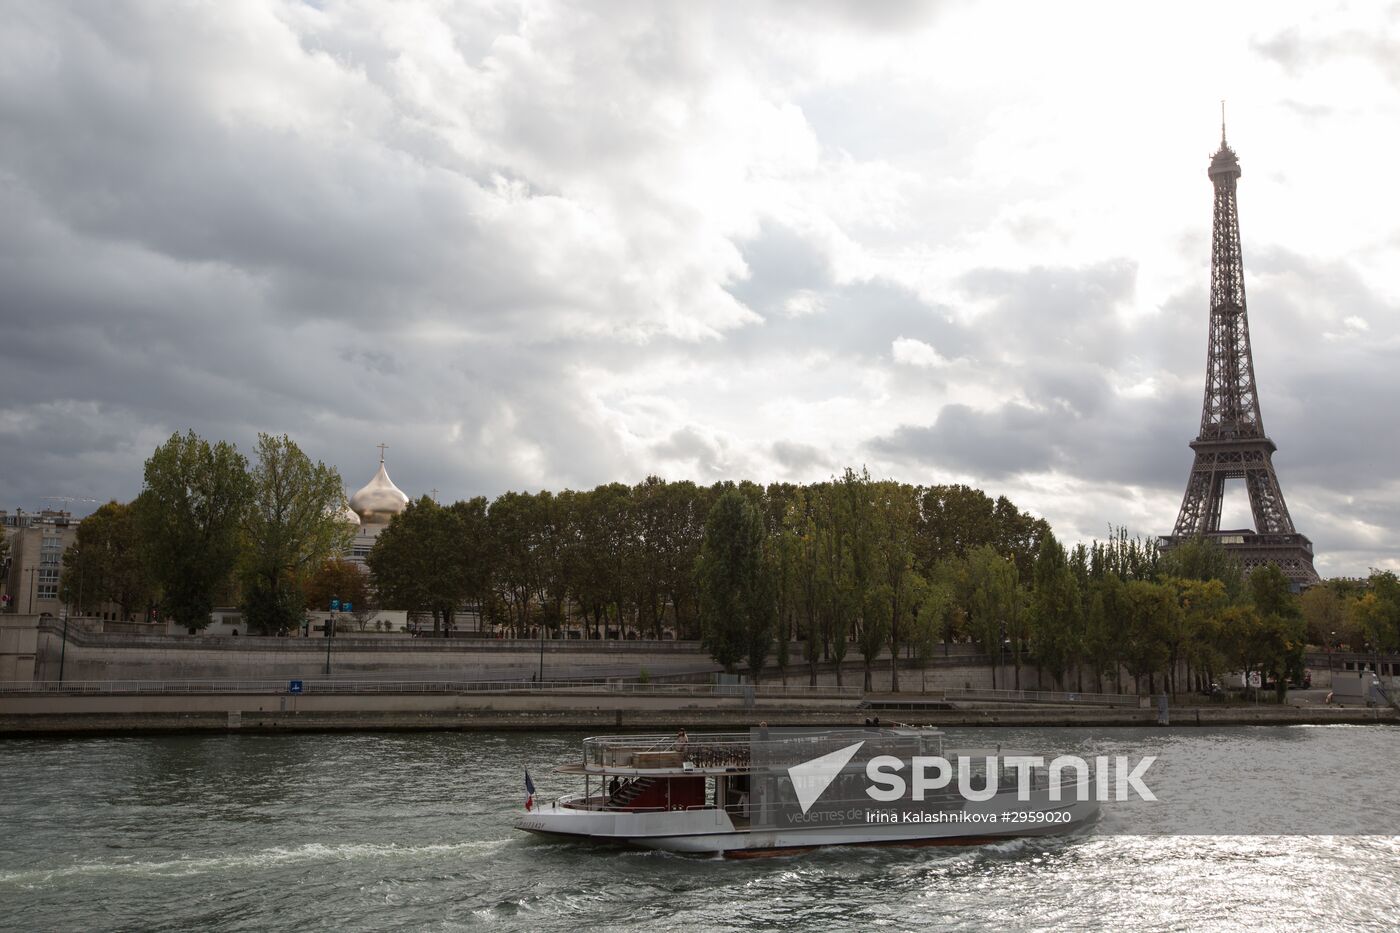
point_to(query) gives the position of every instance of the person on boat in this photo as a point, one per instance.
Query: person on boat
(681, 743)
(614, 786)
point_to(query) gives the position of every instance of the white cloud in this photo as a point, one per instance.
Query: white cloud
(913, 352)
(538, 244)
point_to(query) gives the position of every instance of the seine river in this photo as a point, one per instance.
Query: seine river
(412, 832)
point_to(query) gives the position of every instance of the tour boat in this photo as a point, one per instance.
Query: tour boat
(756, 793)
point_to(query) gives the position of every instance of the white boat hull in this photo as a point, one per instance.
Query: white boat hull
(709, 830)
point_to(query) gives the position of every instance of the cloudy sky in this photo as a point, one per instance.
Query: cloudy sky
(543, 245)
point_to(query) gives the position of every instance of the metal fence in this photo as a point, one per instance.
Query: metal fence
(1065, 697)
(310, 687)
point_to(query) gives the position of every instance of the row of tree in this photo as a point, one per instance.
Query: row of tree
(620, 558)
(210, 528)
(884, 569)
(850, 561)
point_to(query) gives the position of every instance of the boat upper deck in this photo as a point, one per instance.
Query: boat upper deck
(732, 752)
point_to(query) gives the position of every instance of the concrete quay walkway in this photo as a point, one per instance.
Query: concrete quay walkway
(603, 710)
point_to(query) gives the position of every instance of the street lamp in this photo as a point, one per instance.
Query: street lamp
(63, 652)
(540, 678)
(330, 633)
(1005, 646)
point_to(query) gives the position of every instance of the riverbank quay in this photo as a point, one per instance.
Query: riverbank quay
(584, 707)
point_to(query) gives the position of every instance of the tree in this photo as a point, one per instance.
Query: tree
(1271, 594)
(1055, 609)
(339, 579)
(1374, 616)
(933, 621)
(1152, 613)
(516, 520)
(293, 522)
(857, 565)
(1271, 644)
(805, 549)
(839, 585)
(953, 521)
(1103, 629)
(1194, 633)
(421, 562)
(1204, 558)
(1324, 614)
(736, 598)
(609, 542)
(188, 515)
(106, 564)
(992, 600)
(894, 518)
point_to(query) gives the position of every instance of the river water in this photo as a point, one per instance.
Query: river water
(412, 831)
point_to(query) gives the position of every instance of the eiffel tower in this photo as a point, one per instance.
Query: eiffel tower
(1232, 443)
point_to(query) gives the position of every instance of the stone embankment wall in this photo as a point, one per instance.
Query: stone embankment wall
(86, 655)
(57, 715)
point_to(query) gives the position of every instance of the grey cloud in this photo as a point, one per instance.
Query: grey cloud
(1071, 312)
(1296, 51)
(801, 458)
(707, 456)
(857, 319)
(1009, 441)
(781, 263)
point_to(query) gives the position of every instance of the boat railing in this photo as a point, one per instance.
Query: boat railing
(1053, 697)
(343, 686)
(710, 750)
(600, 802)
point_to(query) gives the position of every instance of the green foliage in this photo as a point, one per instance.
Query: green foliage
(993, 600)
(1269, 591)
(421, 561)
(1123, 557)
(953, 521)
(188, 515)
(935, 620)
(1056, 609)
(1103, 637)
(292, 523)
(1204, 558)
(736, 593)
(1152, 616)
(1271, 644)
(1374, 616)
(339, 579)
(1194, 634)
(1324, 614)
(107, 564)
(899, 588)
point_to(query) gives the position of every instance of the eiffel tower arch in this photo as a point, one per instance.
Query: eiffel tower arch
(1232, 443)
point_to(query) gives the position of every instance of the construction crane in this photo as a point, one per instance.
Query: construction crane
(67, 501)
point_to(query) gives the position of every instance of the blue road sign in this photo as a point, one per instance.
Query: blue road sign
(294, 687)
(348, 608)
(335, 605)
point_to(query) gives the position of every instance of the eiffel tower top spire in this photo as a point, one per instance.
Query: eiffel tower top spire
(1231, 406)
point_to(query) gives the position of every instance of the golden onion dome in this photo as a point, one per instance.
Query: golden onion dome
(379, 500)
(350, 517)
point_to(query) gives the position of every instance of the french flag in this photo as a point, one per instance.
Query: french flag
(529, 792)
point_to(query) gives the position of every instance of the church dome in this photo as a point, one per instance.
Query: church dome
(379, 500)
(350, 517)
